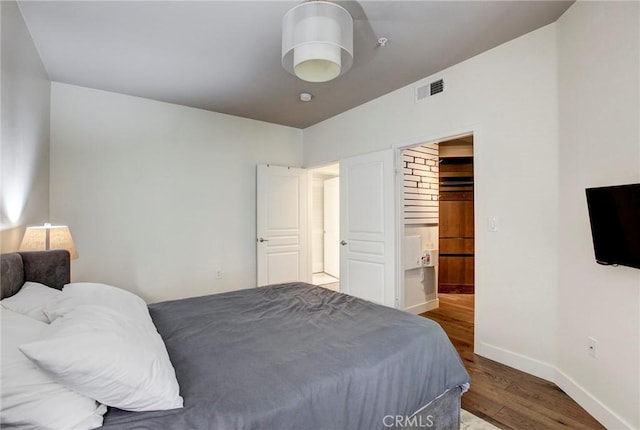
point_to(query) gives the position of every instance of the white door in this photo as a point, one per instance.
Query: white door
(317, 224)
(282, 225)
(332, 227)
(367, 227)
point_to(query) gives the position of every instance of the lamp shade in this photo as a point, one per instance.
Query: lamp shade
(317, 41)
(45, 237)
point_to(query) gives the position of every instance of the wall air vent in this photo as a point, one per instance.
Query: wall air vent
(426, 90)
(436, 87)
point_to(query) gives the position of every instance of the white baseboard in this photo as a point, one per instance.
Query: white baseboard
(590, 403)
(518, 361)
(424, 307)
(552, 374)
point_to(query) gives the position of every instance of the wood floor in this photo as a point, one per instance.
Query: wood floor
(506, 397)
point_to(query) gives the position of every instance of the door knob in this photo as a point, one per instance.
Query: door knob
(343, 243)
(263, 240)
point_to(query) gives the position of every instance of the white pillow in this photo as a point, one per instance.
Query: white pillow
(30, 398)
(108, 356)
(90, 293)
(31, 300)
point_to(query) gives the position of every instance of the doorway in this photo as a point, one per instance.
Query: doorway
(367, 226)
(438, 223)
(325, 226)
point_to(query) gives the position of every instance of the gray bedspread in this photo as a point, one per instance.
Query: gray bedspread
(296, 356)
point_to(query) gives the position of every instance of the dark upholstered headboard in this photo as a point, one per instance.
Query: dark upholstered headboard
(52, 268)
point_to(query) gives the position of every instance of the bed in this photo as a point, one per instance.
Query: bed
(288, 356)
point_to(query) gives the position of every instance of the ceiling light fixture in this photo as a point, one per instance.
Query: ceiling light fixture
(317, 41)
(306, 97)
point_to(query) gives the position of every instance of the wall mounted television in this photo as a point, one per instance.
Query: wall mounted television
(614, 213)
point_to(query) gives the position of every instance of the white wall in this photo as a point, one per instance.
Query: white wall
(599, 144)
(24, 147)
(508, 98)
(159, 196)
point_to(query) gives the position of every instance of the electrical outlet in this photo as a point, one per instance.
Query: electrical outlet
(218, 273)
(592, 347)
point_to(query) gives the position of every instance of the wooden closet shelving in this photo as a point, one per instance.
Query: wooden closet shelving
(456, 235)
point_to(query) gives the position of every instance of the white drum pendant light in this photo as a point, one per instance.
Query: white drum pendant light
(317, 41)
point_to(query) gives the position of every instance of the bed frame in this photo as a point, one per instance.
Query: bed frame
(52, 268)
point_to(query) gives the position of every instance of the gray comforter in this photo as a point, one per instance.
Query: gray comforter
(296, 356)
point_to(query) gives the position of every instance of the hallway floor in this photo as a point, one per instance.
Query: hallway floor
(326, 281)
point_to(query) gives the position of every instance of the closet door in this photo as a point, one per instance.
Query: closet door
(281, 243)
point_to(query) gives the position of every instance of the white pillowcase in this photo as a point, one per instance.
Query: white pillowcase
(31, 300)
(30, 398)
(103, 344)
(90, 293)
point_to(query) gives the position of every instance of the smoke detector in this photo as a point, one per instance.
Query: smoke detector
(305, 97)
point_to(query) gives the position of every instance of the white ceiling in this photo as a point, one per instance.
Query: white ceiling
(224, 56)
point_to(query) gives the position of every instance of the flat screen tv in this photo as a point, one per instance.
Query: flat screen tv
(614, 213)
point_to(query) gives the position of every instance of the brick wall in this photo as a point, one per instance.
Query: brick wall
(421, 185)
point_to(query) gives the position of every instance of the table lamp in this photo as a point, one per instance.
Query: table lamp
(45, 237)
